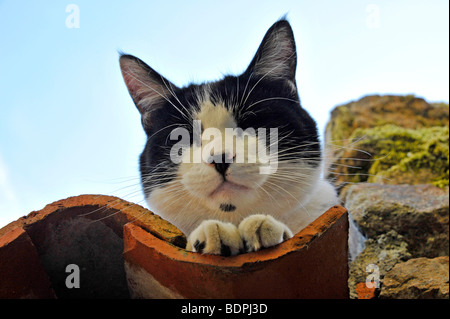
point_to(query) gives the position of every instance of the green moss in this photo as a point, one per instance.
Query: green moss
(400, 155)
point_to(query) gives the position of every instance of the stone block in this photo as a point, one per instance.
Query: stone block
(419, 278)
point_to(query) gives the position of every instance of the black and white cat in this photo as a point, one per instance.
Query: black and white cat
(226, 203)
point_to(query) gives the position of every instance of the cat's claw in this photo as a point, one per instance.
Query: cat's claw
(259, 231)
(215, 237)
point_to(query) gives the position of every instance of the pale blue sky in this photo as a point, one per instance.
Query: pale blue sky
(69, 127)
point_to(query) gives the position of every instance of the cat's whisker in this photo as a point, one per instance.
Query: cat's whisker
(246, 114)
(271, 99)
(301, 152)
(165, 127)
(301, 189)
(172, 92)
(269, 184)
(286, 191)
(121, 180)
(261, 187)
(237, 88)
(110, 205)
(167, 185)
(245, 89)
(362, 174)
(115, 213)
(350, 148)
(345, 142)
(289, 179)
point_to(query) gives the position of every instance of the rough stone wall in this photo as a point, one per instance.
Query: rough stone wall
(389, 158)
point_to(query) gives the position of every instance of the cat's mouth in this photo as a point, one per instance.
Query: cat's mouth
(228, 188)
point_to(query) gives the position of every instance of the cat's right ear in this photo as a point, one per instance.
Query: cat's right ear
(276, 56)
(148, 89)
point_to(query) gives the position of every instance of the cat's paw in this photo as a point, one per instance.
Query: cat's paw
(258, 231)
(215, 237)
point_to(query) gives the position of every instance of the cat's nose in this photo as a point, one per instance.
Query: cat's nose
(221, 163)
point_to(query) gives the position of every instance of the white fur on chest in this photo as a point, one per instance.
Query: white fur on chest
(186, 211)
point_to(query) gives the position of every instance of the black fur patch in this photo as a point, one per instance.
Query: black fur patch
(225, 250)
(244, 249)
(227, 207)
(199, 246)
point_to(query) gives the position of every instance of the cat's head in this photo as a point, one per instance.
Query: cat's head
(227, 149)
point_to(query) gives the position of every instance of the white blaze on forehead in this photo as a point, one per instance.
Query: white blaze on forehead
(215, 116)
(222, 135)
(216, 119)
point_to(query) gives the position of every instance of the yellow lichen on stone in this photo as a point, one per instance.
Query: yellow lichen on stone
(397, 156)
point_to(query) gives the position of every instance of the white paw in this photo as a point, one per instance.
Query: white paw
(215, 237)
(259, 231)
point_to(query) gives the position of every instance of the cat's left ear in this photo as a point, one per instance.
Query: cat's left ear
(147, 87)
(276, 56)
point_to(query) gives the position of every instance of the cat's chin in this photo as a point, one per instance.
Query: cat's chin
(227, 190)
